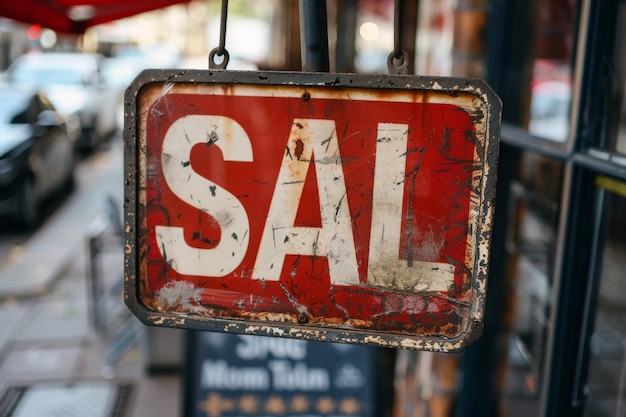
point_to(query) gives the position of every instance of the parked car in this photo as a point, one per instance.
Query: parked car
(121, 69)
(37, 156)
(74, 83)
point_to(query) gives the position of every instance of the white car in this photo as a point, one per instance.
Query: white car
(75, 86)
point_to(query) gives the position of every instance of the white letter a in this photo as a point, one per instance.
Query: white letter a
(310, 139)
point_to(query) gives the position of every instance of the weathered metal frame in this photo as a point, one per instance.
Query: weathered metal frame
(446, 85)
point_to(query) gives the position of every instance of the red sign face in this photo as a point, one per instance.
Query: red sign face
(324, 212)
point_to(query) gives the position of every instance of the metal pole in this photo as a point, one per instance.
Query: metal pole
(314, 36)
(346, 34)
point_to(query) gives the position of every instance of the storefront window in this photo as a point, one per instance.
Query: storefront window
(533, 224)
(620, 140)
(606, 384)
(617, 121)
(550, 100)
(551, 85)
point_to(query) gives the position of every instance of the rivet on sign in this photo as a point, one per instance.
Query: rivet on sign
(306, 96)
(302, 318)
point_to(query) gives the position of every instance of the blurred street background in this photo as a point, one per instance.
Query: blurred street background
(68, 342)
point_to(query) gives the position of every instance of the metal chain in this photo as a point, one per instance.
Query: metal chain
(221, 49)
(398, 59)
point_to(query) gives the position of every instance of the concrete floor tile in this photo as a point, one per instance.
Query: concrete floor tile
(158, 397)
(12, 317)
(55, 321)
(40, 363)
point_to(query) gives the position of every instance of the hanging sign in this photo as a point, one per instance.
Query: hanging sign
(333, 207)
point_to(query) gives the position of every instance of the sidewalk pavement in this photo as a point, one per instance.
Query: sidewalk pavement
(50, 353)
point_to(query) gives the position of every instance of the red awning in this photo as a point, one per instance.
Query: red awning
(75, 16)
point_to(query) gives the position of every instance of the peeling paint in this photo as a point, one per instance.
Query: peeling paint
(421, 277)
(179, 294)
(428, 294)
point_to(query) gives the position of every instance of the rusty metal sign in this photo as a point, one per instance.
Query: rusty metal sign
(334, 207)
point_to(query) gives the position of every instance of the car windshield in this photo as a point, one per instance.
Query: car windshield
(48, 75)
(12, 103)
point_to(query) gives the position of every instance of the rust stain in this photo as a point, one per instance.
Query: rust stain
(299, 149)
(177, 299)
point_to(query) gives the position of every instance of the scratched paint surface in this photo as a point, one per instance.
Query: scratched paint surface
(346, 208)
(441, 158)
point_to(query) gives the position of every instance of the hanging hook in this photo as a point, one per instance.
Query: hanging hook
(398, 64)
(398, 59)
(221, 49)
(218, 65)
